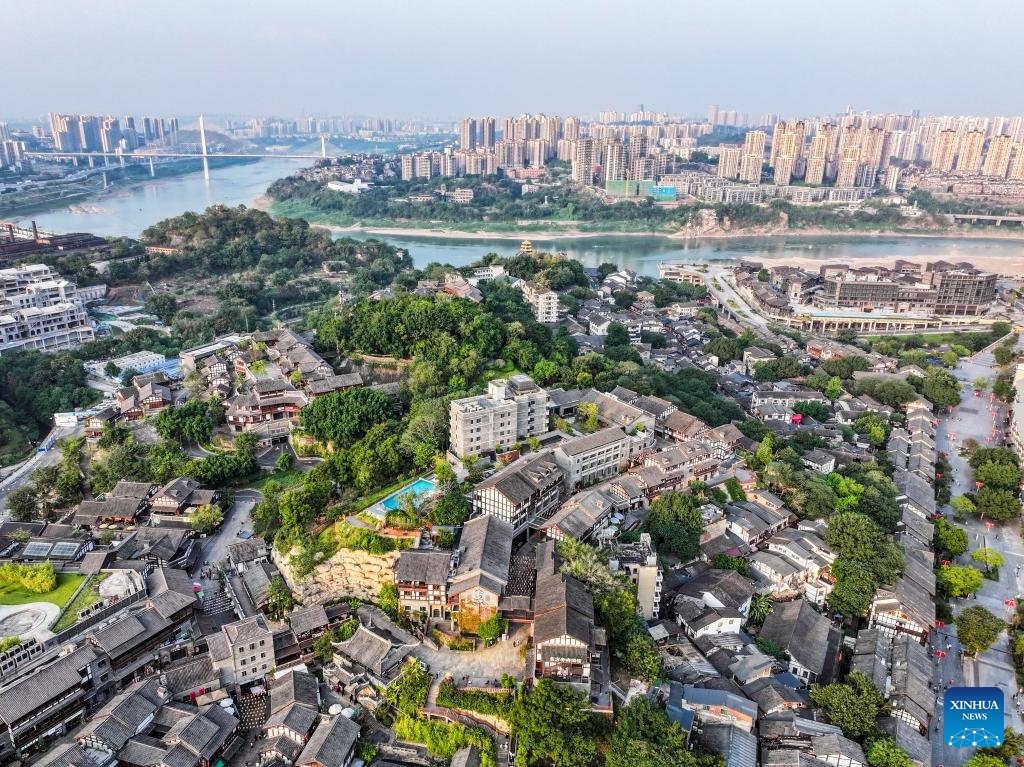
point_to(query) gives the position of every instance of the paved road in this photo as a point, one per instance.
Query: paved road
(975, 418)
(21, 475)
(215, 547)
(725, 292)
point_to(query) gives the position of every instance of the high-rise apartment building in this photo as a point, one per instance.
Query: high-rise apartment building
(66, 135)
(849, 161)
(997, 159)
(615, 165)
(1017, 163)
(729, 162)
(817, 156)
(583, 161)
(467, 133)
(753, 156)
(969, 158)
(571, 128)
(513, 409)
(944, 150)
(487, 132)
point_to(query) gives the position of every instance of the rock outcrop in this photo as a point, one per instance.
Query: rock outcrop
(347, 574)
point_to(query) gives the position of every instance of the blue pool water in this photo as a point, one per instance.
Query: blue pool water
(421, 487)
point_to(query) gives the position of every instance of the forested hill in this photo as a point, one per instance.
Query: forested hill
(230, 240)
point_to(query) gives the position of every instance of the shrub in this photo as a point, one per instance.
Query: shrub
(38, 579)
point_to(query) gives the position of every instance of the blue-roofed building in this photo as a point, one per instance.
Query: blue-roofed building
(719, 706)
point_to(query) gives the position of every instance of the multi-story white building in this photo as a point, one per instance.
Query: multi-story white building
(640, 562)
(594, 456)
(512, 409)
(544, 301)
(40, 310)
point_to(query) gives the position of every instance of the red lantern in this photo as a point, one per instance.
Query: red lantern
(940, 654)
(945, 563)
(1010, 602)
(938, 476)
(939, 624)
(990, 525)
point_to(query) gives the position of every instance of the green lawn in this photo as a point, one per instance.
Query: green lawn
(11, 594)
(86, 598)
(284, 478)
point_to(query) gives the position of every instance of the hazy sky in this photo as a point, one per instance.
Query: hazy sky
(445, 58)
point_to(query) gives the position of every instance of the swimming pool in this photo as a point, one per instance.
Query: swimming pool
(420, 489)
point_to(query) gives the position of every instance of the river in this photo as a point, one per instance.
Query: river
(129, 211)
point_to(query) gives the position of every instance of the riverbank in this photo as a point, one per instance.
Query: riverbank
(75, 196)
(546, 231)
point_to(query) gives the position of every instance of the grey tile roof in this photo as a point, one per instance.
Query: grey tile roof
(331, 744)
(30, 692)
(247, 629)
(294, 687)
(485, 550)
(805, 634)
(420, 566)
(191, 673)
(594, 441)
(307, 619)
(466, 756)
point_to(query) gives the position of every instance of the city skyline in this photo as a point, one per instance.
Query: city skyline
(375, 61)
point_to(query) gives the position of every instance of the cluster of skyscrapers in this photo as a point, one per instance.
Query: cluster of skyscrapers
(863, 150)
(96, 133)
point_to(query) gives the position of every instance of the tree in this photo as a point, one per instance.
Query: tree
(452, 508)
(812, 409)
(644, 737)
(387, 599)
(735, 489)
(444, 475)
(1005, 476)
(985, 760)
(553, 726)
(285, 461)
(978, 629)
(941, 388)
(586, 416)
(675, 524)
(855, 588)
(617, 335)
(23, 503)
(341, 418)
(492, 628)
(962, 506)
(279, 599)
(958, 581)
(989, 557)
(833, 389)
(163, 305)
(761, 607)
(408, 693)
(853, 705)
(1012, 747)
(883, 752)
(949, 538)
(723, 561)
(1003, 355)
(206, 518)
(323, 650)
(995, 504)
(777, 370)
(642, 657)
(110, 370)
(980, 383)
